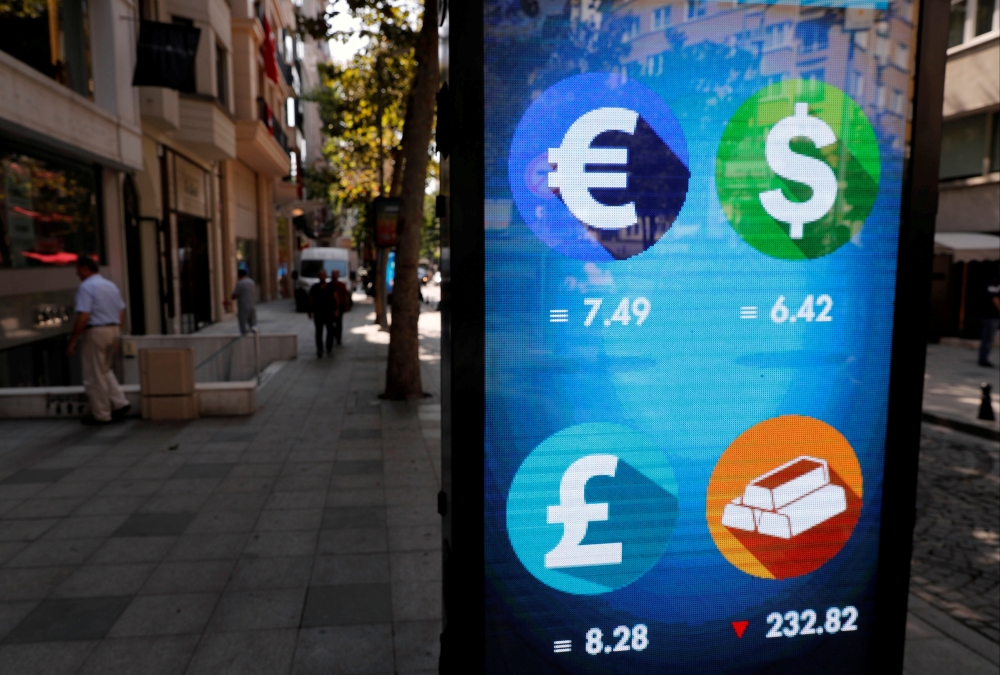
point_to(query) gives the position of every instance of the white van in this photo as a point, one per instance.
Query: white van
(310, 262)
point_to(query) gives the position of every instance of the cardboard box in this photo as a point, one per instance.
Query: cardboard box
(166, 372)
(170, 407)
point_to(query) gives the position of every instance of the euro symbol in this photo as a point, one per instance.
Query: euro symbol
(574, 182)
(575, 513)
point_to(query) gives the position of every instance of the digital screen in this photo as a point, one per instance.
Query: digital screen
(692, 217)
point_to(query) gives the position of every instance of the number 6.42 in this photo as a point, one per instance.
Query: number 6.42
(780, 313)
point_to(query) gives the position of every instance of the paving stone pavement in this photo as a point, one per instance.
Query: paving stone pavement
(956, 555)
(301, 540)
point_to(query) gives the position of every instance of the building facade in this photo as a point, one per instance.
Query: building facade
(70, 138)
(968, 219)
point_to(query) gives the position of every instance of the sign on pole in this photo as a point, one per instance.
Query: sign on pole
(686, 290)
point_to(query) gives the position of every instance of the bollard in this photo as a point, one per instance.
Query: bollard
(986, 405)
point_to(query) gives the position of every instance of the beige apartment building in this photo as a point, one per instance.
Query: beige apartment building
(171, 187)
(216, 160)
(967, 247)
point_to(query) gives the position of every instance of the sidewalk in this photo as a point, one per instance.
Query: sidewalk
(952, 391)
(303, 540)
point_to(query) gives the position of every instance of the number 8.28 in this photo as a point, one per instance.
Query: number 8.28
(639, 635)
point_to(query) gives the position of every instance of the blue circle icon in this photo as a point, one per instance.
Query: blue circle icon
(598, 167)
(592, 508)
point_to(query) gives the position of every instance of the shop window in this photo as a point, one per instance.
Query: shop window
(51, 36)
(48, 209)
(963, 146)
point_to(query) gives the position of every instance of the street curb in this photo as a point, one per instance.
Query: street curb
(959, 425)
(954, 629)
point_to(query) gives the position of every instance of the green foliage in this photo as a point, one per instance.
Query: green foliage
(23, 9)
(362, 105)
(430, 232)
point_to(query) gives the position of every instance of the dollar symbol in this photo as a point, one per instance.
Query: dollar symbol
(575, 514)
(801, 169)
(574, 182)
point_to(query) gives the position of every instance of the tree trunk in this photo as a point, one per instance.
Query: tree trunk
(402, 379)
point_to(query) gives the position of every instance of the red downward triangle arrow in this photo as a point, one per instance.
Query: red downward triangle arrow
(740, 627)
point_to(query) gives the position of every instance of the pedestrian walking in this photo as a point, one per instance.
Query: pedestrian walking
(323, 310)
(991, 321)
(100, 312)
(245, 295)
(343, 298)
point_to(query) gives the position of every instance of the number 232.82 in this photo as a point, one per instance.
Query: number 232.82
(804, 622)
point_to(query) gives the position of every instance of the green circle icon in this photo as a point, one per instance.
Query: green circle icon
(798, 169)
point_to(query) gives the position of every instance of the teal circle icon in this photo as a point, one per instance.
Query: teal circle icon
(592, 508)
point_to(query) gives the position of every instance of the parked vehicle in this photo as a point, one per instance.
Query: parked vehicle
(310, 262)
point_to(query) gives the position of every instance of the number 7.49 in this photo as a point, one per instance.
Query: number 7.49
(624, 312)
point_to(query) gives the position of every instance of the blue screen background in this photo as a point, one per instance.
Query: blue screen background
(693, 376)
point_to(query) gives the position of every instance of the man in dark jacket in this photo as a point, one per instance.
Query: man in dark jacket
(343, 297)
(324, 311)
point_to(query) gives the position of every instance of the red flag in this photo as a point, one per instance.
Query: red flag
(267, 51)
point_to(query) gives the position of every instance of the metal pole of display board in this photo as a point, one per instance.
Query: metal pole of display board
(909, 339)
(463, 343)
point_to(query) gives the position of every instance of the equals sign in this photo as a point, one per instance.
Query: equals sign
(749, 312)
(558, 316)
(562, 646)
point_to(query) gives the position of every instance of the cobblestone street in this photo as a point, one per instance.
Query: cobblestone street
(956, 550)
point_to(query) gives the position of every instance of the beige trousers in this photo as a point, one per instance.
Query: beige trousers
(96, 356)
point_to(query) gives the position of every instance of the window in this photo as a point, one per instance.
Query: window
(985, 11)
(956, 23)
(882, 49)
(901, 59)
(290, 112)
(696, 8)
(898, 102)
(661, 18)
(906, 11)
(856, 84)
(861, 39)
(970, 19)
(814, 36)
(52, 37)
(964, 146)
(48, 209)
(631, 29)
(777, 35)
(881, 97)
(221, 76)
(995, 145)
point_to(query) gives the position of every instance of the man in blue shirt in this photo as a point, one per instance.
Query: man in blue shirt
(100, 312)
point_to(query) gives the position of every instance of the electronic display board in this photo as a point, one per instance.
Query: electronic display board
(692, 224)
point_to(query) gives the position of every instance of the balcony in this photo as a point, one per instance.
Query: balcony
(258, 149)
(206, 127)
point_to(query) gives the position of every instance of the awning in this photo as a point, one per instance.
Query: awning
(967, 246)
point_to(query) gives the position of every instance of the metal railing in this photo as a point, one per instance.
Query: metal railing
(226, 349)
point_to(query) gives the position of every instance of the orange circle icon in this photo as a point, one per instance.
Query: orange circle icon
(784, 497)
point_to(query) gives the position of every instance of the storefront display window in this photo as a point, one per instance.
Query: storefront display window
(49, 209)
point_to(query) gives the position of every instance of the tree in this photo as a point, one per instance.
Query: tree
(397, 72)
(403, 371)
